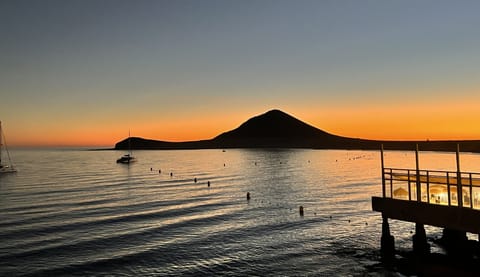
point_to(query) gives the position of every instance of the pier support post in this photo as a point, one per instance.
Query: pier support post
(387, 247)
(420, 244)
(455, 242)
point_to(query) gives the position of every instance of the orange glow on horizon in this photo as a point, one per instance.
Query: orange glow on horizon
(188, 128)
(438, 121)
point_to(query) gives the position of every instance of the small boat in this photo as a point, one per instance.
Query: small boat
(127, 158)
(5, 168)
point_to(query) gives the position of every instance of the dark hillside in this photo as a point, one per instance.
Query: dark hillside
(276, 129)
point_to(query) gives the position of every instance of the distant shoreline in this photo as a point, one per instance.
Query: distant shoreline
(448, 149)
(276, 129)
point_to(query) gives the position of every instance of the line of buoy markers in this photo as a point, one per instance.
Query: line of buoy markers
(195, 180)
(300, 208)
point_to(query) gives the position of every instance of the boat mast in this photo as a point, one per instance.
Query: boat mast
(129, 145)
(3, 141)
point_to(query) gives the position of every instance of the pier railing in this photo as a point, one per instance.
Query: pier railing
(450, 188)
(433, 186)
(445, 199)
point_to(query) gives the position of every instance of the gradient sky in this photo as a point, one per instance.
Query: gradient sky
(85, 72)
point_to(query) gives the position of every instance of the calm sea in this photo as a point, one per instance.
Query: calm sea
(78, 213)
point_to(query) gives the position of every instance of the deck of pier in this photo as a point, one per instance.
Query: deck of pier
(451, 217)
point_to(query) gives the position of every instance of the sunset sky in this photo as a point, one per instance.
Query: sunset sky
(86, 72)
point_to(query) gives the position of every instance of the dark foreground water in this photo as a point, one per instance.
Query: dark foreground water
(75, 212)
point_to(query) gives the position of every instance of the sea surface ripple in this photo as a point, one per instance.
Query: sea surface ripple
(78, 213)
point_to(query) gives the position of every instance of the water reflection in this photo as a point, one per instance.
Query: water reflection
(81, 211)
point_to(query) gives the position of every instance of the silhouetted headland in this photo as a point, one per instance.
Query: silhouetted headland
(276, 129)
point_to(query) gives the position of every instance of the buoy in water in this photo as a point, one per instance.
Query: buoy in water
(248, 195)
(300, 210)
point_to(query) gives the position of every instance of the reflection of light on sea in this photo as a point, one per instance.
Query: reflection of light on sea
(82, 207)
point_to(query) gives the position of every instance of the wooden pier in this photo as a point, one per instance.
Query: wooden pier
(450, 200)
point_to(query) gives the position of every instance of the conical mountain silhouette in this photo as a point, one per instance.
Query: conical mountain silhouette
(273, 124)
(276, 129)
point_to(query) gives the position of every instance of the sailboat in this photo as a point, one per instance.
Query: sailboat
(127, 158)
(5, 168)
